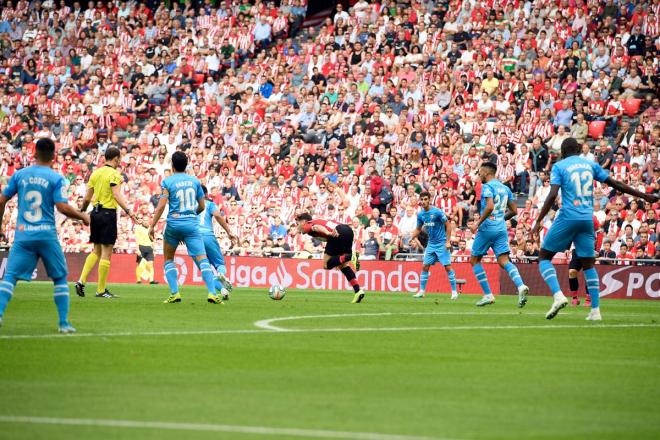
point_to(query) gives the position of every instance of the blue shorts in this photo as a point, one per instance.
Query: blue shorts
(496, 240)
(434, 255)
(187, 233)
(563, 232)
(24, 255)
(213, 251)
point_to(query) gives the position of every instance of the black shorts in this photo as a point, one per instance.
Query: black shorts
(575, 263)
(103, 226)
(147, 252)
(340, 245)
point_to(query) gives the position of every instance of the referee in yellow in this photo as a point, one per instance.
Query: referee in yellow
(105, 187)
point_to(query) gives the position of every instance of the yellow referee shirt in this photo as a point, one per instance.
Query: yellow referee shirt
(102, 180)
(142, 236)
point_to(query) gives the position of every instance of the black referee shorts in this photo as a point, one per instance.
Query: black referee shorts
(147, 252)
(341, 245)
(103, 226)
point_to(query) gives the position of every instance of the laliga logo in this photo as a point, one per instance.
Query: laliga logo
(182, 269)
(635, 281)
(280, 277)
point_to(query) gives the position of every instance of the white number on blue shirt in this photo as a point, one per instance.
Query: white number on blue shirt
(187, 200)
(584, 183)
(500, 203)
(34, 213)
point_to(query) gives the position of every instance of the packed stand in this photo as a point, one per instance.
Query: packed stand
(350, 121)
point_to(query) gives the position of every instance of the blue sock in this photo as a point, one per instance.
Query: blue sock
(423, 279)
(171, 276)
(452, 279)
(61, 298)
(593, 286)
(512, 270)
(207, 275)
(6, 292)
(481, 276)
(549, 274)
(221, 269)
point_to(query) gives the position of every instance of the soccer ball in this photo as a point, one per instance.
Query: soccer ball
(276, 292)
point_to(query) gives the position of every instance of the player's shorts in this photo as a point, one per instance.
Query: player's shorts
(147, 252)
(563, 232)
(496, 240)
(575, 263)
(436, 255)
(23, 257)
(103, 226)
(187, 233)
(341, 245)
(213, 251)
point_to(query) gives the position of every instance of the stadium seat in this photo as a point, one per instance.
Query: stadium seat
(596, 129)
(631, 106)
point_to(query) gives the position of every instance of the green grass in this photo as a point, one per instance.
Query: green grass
(461, 378)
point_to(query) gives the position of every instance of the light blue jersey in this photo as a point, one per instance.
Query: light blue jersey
(501, 194)
(184, 191)
(206, 218)
(39, 189)
(434, 222)
(574, 222)
(575, 175)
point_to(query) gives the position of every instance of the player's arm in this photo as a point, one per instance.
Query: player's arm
(552, 197)
(119, 197)
(620, 186)
(162, 203)
(223, 222)
(512, 210)
(3, 203)
(201, 205)
(488, 210)
(71, 212)
(449, 230)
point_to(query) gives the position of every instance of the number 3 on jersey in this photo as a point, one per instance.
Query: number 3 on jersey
(583, 182)
(187, 200)
(33, 214)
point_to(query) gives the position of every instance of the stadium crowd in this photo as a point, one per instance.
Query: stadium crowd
(350, 120)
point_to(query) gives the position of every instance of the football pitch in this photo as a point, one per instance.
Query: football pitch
(315, 366)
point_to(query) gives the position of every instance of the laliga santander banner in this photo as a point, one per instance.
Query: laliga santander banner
(385, 276)
(636, 282)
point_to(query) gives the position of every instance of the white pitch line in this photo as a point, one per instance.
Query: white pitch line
(328, 330)
(266, 324)
(203, 427)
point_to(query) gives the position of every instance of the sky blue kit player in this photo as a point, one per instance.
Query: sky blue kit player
(184, 196)
(39, 190)
(575, 177)
(438, 227)
(497, 206)
(213, 251)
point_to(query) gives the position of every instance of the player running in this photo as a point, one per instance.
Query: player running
(438, 227)
(40, 190)
(339, 249)
(184, 196)
(491, 233)
(575, 177)
(211, 246)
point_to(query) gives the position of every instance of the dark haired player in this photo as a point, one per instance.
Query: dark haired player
(575, 176)
(185, 197)
(40, 190)
(497, 206)
(339, 249)
(437, 226)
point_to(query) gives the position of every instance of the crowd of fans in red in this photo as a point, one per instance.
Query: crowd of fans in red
(350, 120)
